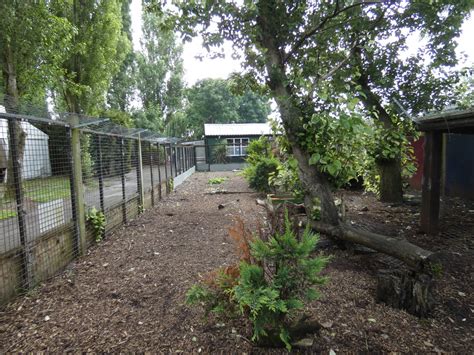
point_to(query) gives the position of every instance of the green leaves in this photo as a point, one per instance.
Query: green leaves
(270, 297)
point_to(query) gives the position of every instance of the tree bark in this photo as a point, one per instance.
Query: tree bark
(412, 255)
(313, 181)
(11, 105)
(391, 187)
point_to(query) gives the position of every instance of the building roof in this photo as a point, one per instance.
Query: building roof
(237, 129)
(454, 120)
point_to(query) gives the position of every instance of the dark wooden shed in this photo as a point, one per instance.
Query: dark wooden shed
(457, 121)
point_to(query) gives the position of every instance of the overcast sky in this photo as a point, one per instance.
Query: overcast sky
(196, 69)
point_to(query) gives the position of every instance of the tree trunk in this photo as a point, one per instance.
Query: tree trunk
(391, 187)
(412, 255)
(313, 181)
(11, 105)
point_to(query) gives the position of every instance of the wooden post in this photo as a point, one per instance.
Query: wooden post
(431, 182)
(78, 189)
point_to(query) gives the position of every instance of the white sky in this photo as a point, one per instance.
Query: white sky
(196, 69)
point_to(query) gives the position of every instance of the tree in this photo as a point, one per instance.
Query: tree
(99, 46)
(160, 74)
(213, 101)
(293, 46)
(123, 84)
(30, 55)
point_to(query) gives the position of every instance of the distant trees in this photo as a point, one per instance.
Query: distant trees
(212, 101)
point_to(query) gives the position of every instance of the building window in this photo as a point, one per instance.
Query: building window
(237, 147)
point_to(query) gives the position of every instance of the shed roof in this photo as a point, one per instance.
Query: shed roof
(455, 120)
(237, 129)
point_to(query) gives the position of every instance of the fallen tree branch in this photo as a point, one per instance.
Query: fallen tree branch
(411, 254)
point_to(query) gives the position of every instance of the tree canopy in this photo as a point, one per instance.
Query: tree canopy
(213, 101)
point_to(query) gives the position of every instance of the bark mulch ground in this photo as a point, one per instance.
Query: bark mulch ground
(127, 294)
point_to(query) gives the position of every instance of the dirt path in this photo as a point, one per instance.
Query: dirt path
(128, 293)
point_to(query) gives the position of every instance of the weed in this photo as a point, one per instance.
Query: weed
(97, 220)
(216, 181)
(436, 269)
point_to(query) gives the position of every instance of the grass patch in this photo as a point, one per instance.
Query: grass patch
(5, 214)
(47, 189)
(216, 181)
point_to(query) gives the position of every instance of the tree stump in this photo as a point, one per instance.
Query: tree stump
(408, 290)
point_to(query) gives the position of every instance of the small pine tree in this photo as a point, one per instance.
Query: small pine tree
(272, 287)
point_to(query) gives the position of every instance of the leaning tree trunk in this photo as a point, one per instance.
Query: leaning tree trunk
(314, 182)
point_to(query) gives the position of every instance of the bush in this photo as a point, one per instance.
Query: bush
(270, 286)
(261, 165)
(258, 175)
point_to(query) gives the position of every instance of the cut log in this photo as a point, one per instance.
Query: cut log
(412, 255)
(406, 290)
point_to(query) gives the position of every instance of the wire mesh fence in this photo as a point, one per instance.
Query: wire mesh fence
(219, 155)
(66, 181)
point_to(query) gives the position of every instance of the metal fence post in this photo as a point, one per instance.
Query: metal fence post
(171, 160)
(122, 175)
(101, 175)
(159, 170)
(140, 175)
(175, 161)
(166, 169)
(150, 157)
(78, 189)
(26, 262)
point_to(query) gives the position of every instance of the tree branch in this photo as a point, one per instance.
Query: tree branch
(320, 25)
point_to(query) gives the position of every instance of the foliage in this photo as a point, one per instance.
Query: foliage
(216, 181)
(32, 47)
(258, 148)
(258, 175)
(465, 89)
(123, 84)
(286, 178)
(219, 153)
(213, 101)
(97, 221)
(270, 301)
(170, 184)
(261, 165)
(98, 48)
(159, 74)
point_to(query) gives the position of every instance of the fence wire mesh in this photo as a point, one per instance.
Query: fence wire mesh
(50, 181)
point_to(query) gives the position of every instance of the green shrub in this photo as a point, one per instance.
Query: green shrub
(258, 174)
(271, 288)
(97, 221)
